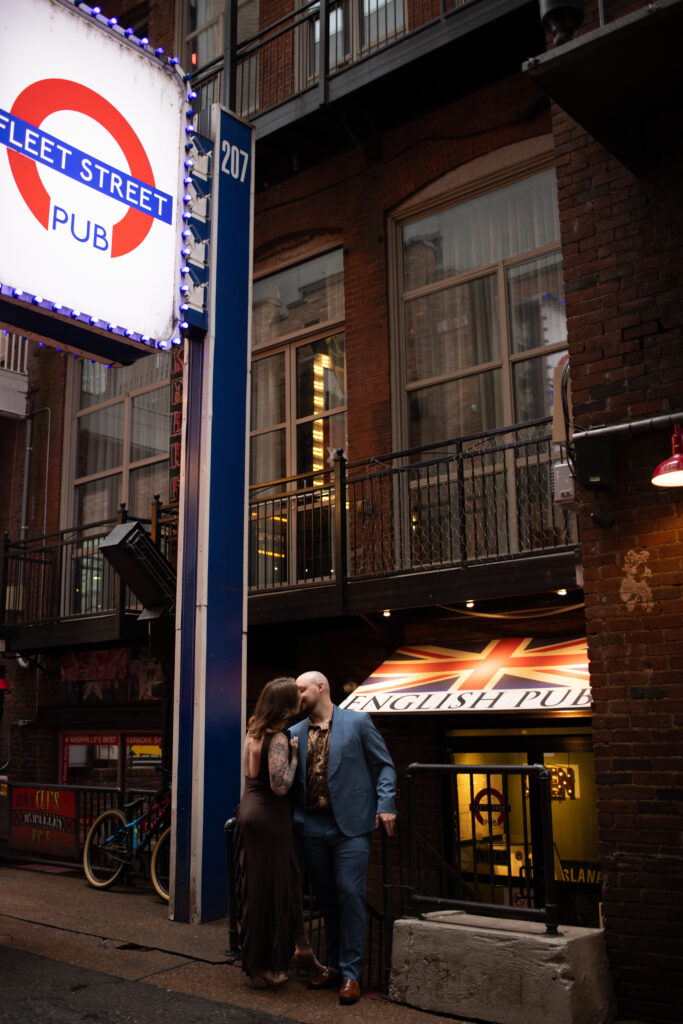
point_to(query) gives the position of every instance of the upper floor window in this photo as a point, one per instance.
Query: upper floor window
(298, 419)
(122, 426)
(482, 317)
(204, 33)
(298, 393)
(300, 299)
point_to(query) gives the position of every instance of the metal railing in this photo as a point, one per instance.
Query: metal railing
(85, 804)
(13, 353)
(283, 59)
(61, 576)
(377, 938)
(292, 530)
(474, 499)
(496, 833)
(475, 837)
(482, 498)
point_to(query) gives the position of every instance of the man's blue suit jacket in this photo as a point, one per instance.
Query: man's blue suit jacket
(361, 776)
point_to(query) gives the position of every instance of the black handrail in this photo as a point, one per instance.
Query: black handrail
(541, 843)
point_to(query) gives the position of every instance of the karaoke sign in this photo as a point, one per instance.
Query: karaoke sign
(91, 152)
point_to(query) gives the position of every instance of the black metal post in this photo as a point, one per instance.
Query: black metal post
(3, 584)
(550, 892)
(340, 527)
(323, 70)
(387, 908)
(412, 841)
(233, 931)
(462, 518)
(230, 56)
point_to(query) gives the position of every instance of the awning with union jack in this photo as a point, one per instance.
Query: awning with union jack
(507, 674)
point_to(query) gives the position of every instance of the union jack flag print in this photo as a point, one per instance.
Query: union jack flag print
(494, 666)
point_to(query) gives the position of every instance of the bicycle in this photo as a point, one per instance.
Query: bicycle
(114, 843)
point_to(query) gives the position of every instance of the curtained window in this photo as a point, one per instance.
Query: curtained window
(122, 426)
(482, 311)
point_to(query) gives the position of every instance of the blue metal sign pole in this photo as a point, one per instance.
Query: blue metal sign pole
(211, 620)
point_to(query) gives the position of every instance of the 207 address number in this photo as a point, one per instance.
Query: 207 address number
(235, 161)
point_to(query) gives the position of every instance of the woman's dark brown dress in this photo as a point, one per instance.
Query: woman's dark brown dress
(270, 900)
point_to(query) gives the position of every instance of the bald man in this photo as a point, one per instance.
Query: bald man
(344, 788)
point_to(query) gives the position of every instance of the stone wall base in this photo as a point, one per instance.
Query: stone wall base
(502, 972)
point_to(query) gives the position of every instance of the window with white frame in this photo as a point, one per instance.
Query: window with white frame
(480, 327)
(121, 432)
(482, 317)
(298, 416)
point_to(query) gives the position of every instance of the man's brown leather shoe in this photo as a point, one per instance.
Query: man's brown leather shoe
(329, 977)
(349, 991)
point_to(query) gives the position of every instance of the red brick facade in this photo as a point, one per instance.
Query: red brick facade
(350, 199)
(622, 241)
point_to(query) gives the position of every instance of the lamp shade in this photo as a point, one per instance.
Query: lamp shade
(670, 472)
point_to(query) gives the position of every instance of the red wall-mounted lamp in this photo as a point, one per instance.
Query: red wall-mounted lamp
(670, 472)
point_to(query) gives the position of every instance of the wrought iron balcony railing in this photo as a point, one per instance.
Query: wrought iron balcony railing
(283, 59)
(62, 576)
(469, 500)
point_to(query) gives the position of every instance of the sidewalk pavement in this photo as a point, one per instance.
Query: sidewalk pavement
(125, 932)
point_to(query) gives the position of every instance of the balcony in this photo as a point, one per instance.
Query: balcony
(383, 61)
(59, 590)
(13, 375)
(469, 518)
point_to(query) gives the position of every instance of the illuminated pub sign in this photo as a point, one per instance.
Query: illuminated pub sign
(44, 821)
(509, 674)
(101, 758)
(93, 127)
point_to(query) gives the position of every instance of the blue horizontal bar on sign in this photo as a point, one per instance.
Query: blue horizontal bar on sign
(80, 166)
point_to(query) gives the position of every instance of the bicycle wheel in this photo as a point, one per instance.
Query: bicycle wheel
(107, 849)
(160, 868)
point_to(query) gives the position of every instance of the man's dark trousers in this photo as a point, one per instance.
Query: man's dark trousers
(338, 866)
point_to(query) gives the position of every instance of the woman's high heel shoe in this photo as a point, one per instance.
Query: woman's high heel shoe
(307, 963)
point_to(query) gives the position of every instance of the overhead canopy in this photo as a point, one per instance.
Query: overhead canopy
(508, 674)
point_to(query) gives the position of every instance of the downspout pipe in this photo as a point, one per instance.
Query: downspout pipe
(27, 468)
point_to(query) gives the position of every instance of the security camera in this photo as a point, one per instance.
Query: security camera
(561, 18)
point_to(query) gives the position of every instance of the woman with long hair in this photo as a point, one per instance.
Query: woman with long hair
(271, 920)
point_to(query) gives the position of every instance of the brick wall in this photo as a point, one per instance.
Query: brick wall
(622, 239)
(12, 452)
(155, 17)
(47, 380)
(350, 198)
(24, 746)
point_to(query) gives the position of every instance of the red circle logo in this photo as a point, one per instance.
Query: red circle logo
(50, 95)
(489, 807)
